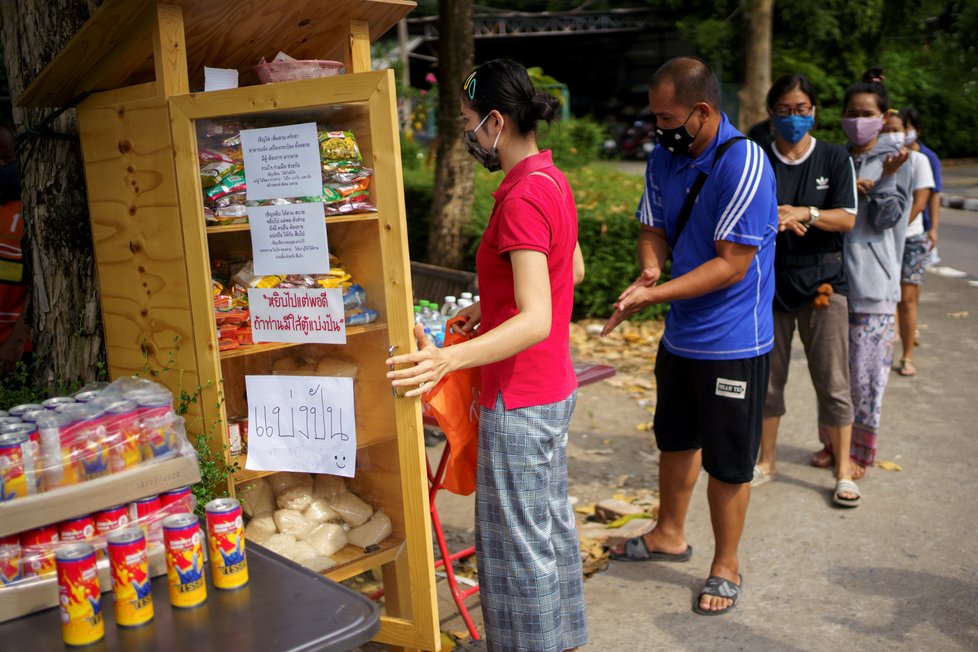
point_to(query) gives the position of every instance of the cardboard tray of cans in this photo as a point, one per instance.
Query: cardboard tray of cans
(60, 504)
(39, 593)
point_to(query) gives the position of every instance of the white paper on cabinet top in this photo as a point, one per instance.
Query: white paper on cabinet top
(301, 423)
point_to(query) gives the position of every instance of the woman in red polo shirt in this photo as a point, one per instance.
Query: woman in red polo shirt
(527, 550)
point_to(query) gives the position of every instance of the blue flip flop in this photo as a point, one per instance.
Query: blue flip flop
(636, 550)
(721, 588)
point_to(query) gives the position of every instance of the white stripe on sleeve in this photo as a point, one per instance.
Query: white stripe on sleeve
(746, 189)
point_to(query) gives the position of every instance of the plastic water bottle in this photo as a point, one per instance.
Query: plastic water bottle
(417, 315)
(450, 307)
(465, 300)
(436, 325)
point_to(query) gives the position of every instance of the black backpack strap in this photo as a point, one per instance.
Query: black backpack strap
(687, 208)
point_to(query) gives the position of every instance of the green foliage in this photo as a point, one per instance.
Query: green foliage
(18, 387)
(575, 142)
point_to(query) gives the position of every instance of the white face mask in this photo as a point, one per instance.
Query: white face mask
(896, 138)
(911, 136)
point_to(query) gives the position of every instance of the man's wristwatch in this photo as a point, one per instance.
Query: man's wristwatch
(813, 215)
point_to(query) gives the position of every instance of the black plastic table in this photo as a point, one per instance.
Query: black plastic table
(283, 607)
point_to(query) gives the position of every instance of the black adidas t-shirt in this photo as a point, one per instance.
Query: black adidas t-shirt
(823, 178)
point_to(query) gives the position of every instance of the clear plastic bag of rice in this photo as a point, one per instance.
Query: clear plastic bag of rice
(327, 539)
(296, 497)
(261, 527)
(282, 544)
(256, 497)
(320, 511)
(372, 532)
(352, 509)
(285, 480)
(289, 521)
(319, 563)
(328, 486)
(302, 550)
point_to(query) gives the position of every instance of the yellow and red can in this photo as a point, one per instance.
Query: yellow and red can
(20, 474)
(183, 495)
(111, 519)
(184, 560)
(145, 514)
(9, 563)
(37, 551)
(226, 543)
(75, 530)
(79, 594)
(131, 582)
(156, 422)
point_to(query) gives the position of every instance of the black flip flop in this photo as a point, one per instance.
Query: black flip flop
(636, 550)
(721, 588)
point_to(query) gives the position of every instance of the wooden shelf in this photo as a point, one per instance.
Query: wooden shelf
(330, 219)
(91, 496)
(351, 560)
(243, 475)
(251, 349)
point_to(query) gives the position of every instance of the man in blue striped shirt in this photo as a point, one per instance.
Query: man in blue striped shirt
(712, 365)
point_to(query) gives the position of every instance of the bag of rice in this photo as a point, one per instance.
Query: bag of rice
(260, 528)
(373, 531)
(256, 497)
(319, 511)
(289, 521)
(327, 539)
(302, 550)
(296, 497)
(282, 544)
(318, 564)
(328, 486)
(282, 481)
(353, 510)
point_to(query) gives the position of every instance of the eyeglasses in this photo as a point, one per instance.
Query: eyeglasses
(783, 110)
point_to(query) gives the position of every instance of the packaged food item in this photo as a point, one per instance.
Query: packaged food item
(353, 510)
(289, 521)
(184, 560)
(319, 511)
(38, 557)
(327, 538)
(372, 532)
(337, 148)
(256, 497)
(130, 577)
(182, 495)
(261, 527)
(79, 594)
(281, 544)
(297, 497)
(234, 436)
(10, 563)
(20, 473)
(226, 543)
(214, 172)
(282, 481)
(80, 528)
(361, 317)
(319, 563)
(301, 551)
(328, 487)
(205, 156)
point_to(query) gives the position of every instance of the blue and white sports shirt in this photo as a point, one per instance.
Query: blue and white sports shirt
(738, 203)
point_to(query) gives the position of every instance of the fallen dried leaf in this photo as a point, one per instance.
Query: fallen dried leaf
(958, 315)
(618, 522)
(888, 466)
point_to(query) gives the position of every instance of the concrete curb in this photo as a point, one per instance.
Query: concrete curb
(959, 202)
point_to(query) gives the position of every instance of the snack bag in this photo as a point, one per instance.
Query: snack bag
(454, 402)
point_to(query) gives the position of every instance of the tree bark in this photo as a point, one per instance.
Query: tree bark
(452, 203)
(63, 307)
(757, 66)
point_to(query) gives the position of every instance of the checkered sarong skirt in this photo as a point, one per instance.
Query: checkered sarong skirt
(531, 586)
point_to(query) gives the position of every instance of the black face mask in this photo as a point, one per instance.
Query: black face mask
(677, 141)
(489, 158)
(9, 182)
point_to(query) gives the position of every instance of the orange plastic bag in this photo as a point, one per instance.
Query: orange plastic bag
(454, 403)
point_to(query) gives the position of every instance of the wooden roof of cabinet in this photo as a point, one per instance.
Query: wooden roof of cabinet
(131, 68)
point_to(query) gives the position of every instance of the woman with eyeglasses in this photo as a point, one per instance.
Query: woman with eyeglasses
(873, 257)
(816, 205)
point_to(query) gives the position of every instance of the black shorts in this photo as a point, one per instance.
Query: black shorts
(716, 405)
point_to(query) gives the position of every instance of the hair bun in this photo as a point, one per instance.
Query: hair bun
(544, 106)
(874, 75)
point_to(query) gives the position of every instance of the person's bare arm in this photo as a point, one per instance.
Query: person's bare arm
(578, 264)
(920, 197)
(934, 206)
(796, 219)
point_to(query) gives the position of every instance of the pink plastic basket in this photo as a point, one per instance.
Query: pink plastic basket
(279, 71)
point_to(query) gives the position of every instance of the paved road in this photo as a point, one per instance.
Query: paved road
(958, 244)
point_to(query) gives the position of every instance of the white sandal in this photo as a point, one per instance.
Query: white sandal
(846, 487)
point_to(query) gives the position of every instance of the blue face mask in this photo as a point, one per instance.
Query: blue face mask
(793, 127)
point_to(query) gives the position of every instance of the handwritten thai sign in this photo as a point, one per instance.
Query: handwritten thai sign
(301, 423)
(282, 161)
(289, 239)
(297, 315)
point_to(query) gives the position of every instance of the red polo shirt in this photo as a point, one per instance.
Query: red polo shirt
(535, 212)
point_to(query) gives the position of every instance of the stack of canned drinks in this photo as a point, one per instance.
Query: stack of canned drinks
(70, 439)
(31, 553)
(80, 595)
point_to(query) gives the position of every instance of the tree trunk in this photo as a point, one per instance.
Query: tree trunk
(453, 169)
(757, 66)
(63, 307)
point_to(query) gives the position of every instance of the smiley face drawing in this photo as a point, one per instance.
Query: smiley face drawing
(340, 461)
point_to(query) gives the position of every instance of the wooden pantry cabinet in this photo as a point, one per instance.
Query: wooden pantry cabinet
(139, 136)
